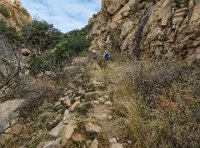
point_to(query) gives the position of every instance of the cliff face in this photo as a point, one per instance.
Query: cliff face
(162, 28)
(13, 13)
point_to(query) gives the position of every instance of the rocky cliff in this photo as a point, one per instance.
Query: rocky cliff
(14, 13)
(154, 28)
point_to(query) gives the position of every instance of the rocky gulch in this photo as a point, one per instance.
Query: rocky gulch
(14, 13)
(157, 28)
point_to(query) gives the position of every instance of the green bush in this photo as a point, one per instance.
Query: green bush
(73, 43)
(8, 32)
(41, 36)
(4, 11)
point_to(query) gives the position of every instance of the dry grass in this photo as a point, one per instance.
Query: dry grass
(160, 101)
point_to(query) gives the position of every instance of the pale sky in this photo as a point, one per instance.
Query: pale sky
(65, 15)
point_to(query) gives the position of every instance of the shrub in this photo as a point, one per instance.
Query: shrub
(4, 11)
(73, 43)
(8, 32)
(41, 36)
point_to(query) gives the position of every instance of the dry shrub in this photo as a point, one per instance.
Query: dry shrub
(159, 100)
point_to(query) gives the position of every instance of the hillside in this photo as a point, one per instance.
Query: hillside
(157, 29)
(14, 13)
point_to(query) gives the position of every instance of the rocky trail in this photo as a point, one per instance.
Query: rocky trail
(88, 120)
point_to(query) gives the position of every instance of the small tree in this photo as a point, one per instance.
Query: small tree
(41, 36)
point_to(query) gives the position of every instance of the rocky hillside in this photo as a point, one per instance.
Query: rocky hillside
(14, 13)
(154, 28)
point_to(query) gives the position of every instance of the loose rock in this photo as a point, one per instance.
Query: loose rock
(117, 145)
(57, 130)
(94, 144)
(108, 103)
(72, 108)
(52, 144)
(112, 140)
(90, 127)
(68, 131)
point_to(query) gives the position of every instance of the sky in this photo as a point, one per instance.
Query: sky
(66, 15)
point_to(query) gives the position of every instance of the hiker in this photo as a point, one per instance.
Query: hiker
(106, 55)
(95, 54)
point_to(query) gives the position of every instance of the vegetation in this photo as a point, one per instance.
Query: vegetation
(4, 11)
(74, 42)
(41, 36)
(8, 32)
(159, 101)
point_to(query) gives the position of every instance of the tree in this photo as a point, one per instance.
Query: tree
(41, 36)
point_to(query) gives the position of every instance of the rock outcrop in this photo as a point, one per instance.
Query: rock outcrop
(14, 13)
(158, 29)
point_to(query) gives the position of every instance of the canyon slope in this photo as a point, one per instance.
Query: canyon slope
(156, 29)
(14, 13)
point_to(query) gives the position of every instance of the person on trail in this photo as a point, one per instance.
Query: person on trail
(95, 54)
(106, 55)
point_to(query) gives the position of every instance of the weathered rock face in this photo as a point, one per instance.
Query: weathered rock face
(14, 14)
(161, 29)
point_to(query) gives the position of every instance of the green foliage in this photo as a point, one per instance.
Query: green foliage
(8, 32)
(4, 11)
(25, 12)
(46, 113)
(74, 42)
(41, 35)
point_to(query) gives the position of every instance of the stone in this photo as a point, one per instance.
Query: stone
(81, 91)
(94, 94)
(96, 102)
(117, 145)
(108, 103)
(27, 72)
(112, 140)
(50, 73)
(72, 108)
(66, 116)
(94, 144)
(66, 100)
(8, 111)
(68, 131)
(77, 138)
(77, 98)
(110, 117)
(57, 104)
(129, 142)
(92, 128)
(52, 144)
(101, 100)
(55, 132)
(25, 52)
